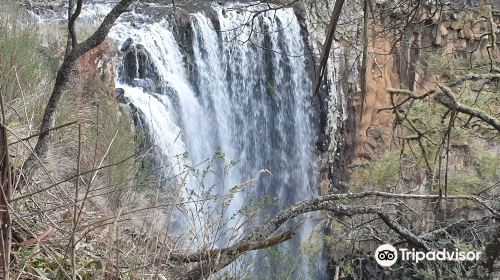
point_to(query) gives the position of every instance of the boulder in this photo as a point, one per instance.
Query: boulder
(143, 59)
(443, 31)
(130, 66)
(461, 45)
(468, 33)
(126, 45)
(120, 96)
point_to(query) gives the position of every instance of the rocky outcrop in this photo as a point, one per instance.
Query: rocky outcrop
(364, 130)
(335, 142)
(136, 66)
(446, 35)
(96, 67)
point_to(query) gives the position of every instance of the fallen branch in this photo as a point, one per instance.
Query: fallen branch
(210, 262)
(40, 237)
(258, 237)
(235, 250)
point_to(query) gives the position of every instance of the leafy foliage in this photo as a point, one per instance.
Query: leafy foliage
(383, 171)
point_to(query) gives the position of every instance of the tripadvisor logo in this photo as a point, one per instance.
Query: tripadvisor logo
(386, 255)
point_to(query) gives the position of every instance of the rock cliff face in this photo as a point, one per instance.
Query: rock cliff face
(444, 36)
(364, 129)
(334, 108)
(97, 66)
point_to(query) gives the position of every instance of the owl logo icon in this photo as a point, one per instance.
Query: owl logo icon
(386, 255)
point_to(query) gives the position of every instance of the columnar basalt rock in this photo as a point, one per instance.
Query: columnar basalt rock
(446, 34)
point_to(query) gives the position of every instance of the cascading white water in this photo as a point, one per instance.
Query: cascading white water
(238, 85)
(249, 97)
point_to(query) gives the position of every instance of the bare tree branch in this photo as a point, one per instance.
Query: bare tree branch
(337, 9)
(71, 22)
(364, 59)
(264, 235)
(445, 97)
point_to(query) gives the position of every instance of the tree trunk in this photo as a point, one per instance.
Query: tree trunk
(6, 190)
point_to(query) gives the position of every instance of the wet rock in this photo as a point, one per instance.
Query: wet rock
(137, 68)
(126, 45)
(136, 63)
(120, 96)
(143, 61)
(130, 65)
(147, 84)
(323, 142)
(183, 33)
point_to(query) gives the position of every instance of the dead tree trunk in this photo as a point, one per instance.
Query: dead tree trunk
(337, 9)
(5, 194)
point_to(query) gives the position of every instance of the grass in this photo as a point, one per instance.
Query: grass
(25, 72)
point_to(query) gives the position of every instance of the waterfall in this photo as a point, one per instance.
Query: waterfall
(239, 88)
